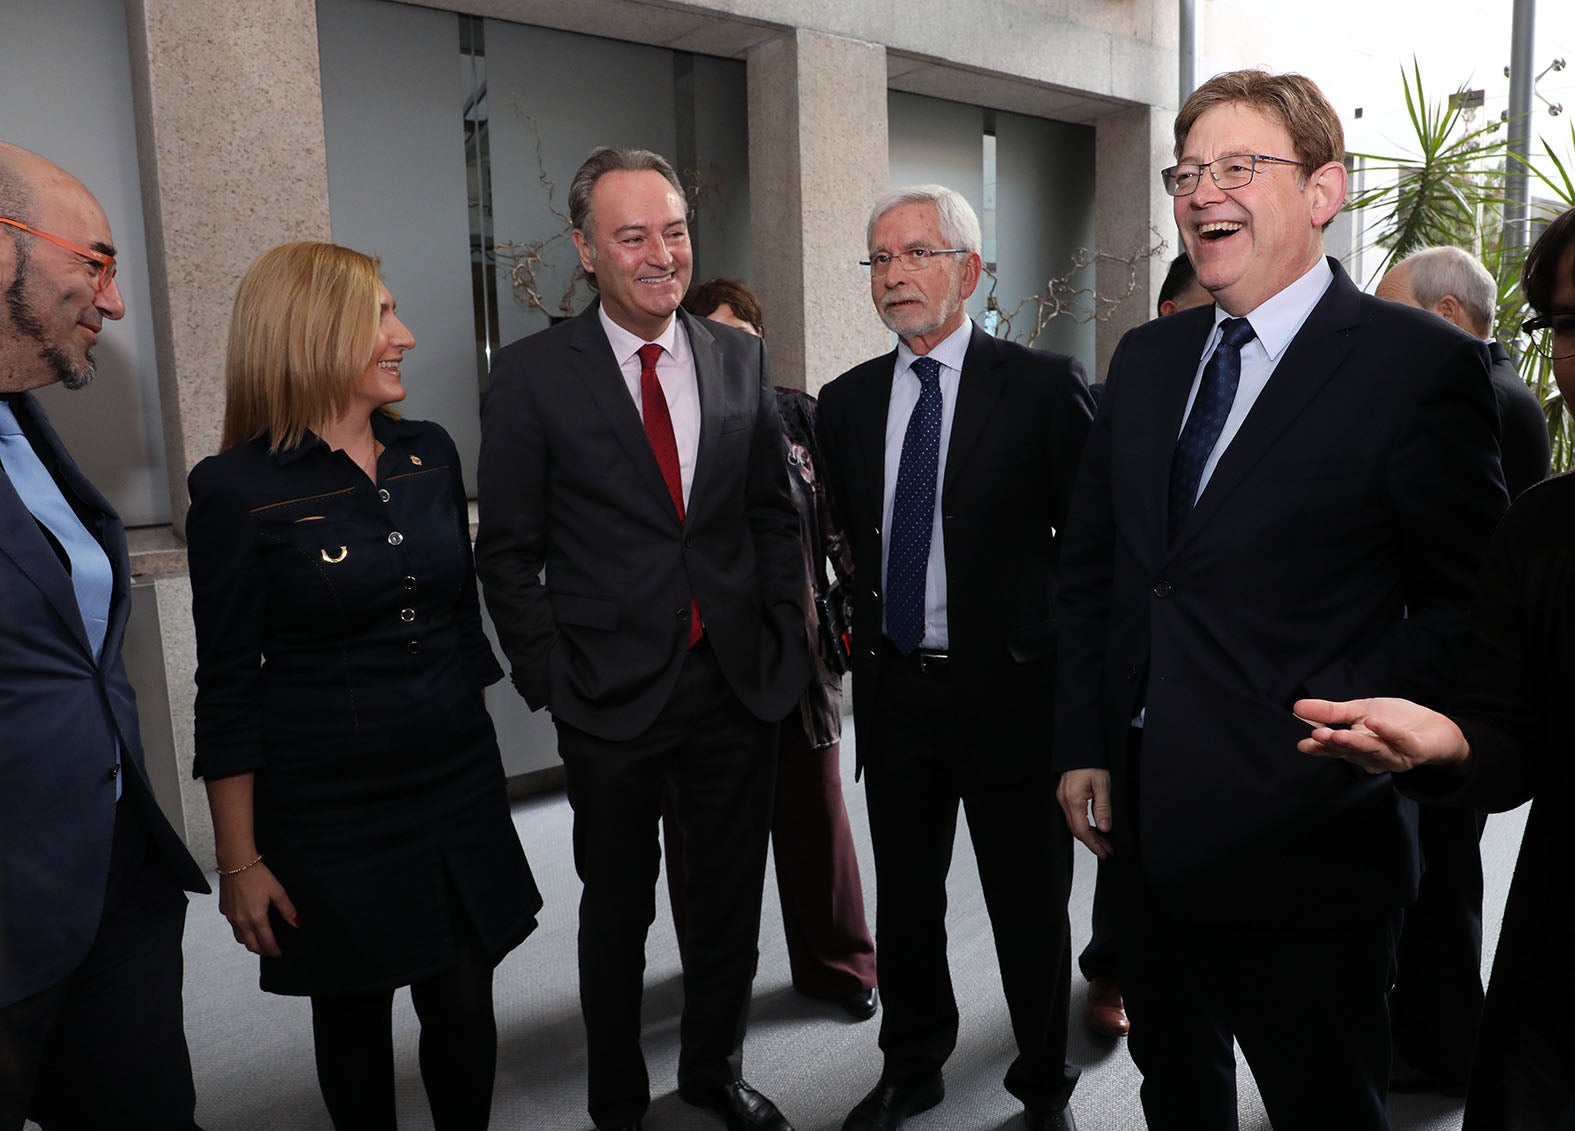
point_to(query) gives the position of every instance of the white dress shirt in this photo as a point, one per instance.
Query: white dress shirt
(675, 372)
(904, 398)
(1275, 322)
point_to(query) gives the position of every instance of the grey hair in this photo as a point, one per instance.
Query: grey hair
(959, 223)
(609, 159)
(1438, 271)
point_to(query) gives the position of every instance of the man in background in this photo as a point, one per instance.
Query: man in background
(1456, 287)
(91, 907)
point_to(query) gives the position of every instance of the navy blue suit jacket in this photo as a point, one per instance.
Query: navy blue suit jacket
(61, 715)
(1332, 553)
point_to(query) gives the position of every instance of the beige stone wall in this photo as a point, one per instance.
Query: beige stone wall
(230, 129)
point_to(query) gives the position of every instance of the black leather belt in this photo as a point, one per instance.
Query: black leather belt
(930, 662)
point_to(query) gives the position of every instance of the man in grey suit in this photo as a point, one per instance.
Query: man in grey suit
(635, 453)
(91, 907)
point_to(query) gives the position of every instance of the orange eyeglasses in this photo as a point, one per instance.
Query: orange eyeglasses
(104, 261)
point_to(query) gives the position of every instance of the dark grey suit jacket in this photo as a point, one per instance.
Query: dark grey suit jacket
(1018, 429)
(1332, 553)
(61, 715)
(567, 481)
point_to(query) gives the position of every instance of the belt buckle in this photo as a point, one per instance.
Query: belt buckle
(932, 663)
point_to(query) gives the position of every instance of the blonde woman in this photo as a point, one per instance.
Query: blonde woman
(363, 832)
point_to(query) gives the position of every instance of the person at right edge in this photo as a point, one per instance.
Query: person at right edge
(1436, 1004)
(1285, 494)
(1507, 740)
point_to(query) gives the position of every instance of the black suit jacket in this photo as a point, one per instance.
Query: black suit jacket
(567, 481)
(61, 714)
(1017, 431)
(1332, 553)
(1523, 429)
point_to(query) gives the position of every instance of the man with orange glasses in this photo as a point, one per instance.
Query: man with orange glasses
(91, 907)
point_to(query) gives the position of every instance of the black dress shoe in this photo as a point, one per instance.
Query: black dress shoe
(888, 1105)
(740, 1106)
(1049, 1120)
(631, 1125)
(861, 1004)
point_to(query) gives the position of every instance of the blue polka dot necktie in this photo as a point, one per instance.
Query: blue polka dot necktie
(913, 512)
(1216, 393)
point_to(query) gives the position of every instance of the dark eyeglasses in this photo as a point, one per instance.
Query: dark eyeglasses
(102, 260)
(1553, 334)
(1231, 172)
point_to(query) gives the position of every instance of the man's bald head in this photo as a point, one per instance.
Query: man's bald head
(1449, 282)
(52, 305)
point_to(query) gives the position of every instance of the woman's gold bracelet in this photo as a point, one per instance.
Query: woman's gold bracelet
(242, 868)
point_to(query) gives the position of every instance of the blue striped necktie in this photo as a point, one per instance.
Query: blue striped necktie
(1216, 393)
(913, 512)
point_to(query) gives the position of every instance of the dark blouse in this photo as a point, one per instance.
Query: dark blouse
(340, 658)
(330, 610)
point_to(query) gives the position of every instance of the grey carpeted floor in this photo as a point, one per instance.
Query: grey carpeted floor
(253, 1052)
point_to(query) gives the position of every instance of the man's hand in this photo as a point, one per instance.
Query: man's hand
(1382, 736)
(1078, 792)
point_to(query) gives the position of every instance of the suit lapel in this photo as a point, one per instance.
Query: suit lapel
(1158, 405)
(874, 401)
(711, 376)
(1312, 358)
(977, 391)
(596, 369)
(36, 558)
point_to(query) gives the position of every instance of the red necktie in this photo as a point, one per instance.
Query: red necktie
(659, 430)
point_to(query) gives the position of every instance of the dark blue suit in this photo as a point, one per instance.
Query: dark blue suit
(1332, 553)
(62, 715)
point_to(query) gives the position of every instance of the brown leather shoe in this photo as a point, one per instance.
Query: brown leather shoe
(1104, 1012)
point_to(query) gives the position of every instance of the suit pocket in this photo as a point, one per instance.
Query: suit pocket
(1033, 644)
(735, 423)
(587, 612)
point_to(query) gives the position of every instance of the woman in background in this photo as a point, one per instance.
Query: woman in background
(362, 826)
(830, 952)
(1508, 740)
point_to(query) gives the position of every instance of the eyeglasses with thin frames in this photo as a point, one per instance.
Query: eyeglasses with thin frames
(914, 259)
(1552, 334)
(102, 260)
(1230, 172)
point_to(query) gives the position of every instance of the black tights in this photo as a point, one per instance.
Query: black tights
(354, 1039)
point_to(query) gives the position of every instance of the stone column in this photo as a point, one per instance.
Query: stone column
(230, 144)
(817, 162)
(229, 114)
(1131, 215)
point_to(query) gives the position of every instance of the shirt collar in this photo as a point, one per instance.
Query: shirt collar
(625, 345)
(387, 430)
(950, 352)
(1276, 320)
